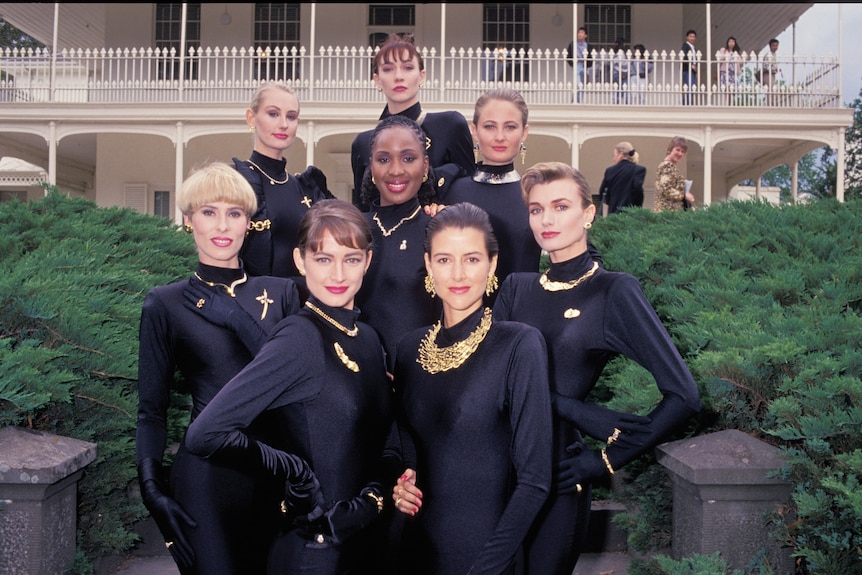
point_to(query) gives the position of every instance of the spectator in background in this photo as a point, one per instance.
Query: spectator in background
(670, 192)
(689, 66)
(640, 69)
(623, 184)
(583, 54)
(729, 67)
(769, 71)
(620, 70)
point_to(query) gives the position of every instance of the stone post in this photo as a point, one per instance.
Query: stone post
(721, 495)
(39, 475)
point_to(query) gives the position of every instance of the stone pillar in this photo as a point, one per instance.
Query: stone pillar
(39, 475)
(721, 494)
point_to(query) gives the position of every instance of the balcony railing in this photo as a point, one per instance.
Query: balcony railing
(343, 74)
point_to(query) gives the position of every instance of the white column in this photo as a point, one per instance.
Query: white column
(312, 49)
(178, 170)
(707, 166)
(441, 72)
(794, 180)
(52, 154)
(310, 144)
(839, 166)
(576, 145)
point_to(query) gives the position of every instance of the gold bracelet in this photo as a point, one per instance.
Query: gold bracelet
(607, 462)
(378, 499)
(614, 436)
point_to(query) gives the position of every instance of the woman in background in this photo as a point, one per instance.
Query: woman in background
(623, 184)
(215, 520)
(473, 405)
(670, 192)
(283, 199)
(399, 72)
(587, 315)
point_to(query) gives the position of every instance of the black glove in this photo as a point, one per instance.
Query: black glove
(600, 422)
(581, 467)
(347, 517)
(222, 310)
(167, 513)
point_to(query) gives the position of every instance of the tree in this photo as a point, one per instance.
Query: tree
(853, 151)
(12, 37)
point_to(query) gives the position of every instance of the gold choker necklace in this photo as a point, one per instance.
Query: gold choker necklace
(550, 285)
(321, 313)
(228, 288)
(272, 180)
(434, 359)
(387, 233)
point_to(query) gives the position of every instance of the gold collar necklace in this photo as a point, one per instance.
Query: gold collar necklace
(350, 332)
(434, 359)
(272, 180)
(550, 285)
(228, 288)
(387, 233)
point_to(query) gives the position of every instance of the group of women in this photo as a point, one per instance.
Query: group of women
(401, 391)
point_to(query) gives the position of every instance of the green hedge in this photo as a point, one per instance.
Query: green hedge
(763, 302)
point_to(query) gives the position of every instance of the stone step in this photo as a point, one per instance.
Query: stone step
(603, 536)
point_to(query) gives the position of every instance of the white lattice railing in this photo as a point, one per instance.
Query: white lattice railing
(343, 74)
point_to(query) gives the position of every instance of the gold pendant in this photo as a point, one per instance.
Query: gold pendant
(305, 201)
(403, 245)
(571, 313)
(349, 363)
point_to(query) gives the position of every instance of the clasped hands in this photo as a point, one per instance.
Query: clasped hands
(340, 520)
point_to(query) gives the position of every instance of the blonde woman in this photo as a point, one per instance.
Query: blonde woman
(623, 184)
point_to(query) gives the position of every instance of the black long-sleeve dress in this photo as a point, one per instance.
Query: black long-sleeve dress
(623, 186)
(392, 298)
(585, 326)
(328, 395)
(482, 437)
(449, 142)
(497, 190)
(235, 510)
(283, 200)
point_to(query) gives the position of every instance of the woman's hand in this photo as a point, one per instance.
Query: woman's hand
(405, 494)
(434, 209)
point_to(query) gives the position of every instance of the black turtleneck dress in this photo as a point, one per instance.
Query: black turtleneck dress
(449, 142)
(497, 190)
(481, 433)
(585, 326)
(234, 509)
(270, 251)
(393, 299)
(328, 395)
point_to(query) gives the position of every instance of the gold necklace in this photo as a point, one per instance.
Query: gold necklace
(551, 285)
(321, 313)
(434, 359)
(272, 180)
(228, 288)
(387, 233)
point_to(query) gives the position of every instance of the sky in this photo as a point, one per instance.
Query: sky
(817, 33)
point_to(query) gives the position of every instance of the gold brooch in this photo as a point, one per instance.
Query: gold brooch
(349, 363)
(571, 313)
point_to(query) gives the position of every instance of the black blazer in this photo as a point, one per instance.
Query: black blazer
(623, 186)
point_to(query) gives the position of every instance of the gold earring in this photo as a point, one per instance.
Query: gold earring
(425, 177)
(372, 181)
(421, 84)
(302, 273)
(251, 129)
(379, 88)
(476, 152)
(492, 284)
(588, 225)
(188, 228)
(429, 285)
(523, 153)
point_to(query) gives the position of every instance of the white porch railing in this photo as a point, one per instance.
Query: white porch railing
(343, 74)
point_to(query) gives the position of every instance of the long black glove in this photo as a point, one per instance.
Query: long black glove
(581, 467)
(600, 423)
(218, 308)
(167, 513)
(347, 517)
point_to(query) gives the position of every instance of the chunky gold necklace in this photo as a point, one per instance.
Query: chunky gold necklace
(228, 288)
(272, 180)
(550, 285)
(387, 233)
(321, 313)
(434, 359)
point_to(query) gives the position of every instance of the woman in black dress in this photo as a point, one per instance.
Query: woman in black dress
(473, 403)
(215, 520)
(623, 184)
(587, 315)
(500, 131)
(399, 72)
(320, 379)
(393, 299)
(283, 199)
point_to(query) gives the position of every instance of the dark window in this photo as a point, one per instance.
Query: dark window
(506, 25)
(276, 31)
(169, 19)
(607, 22)
(162, 204)
(391, 15)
